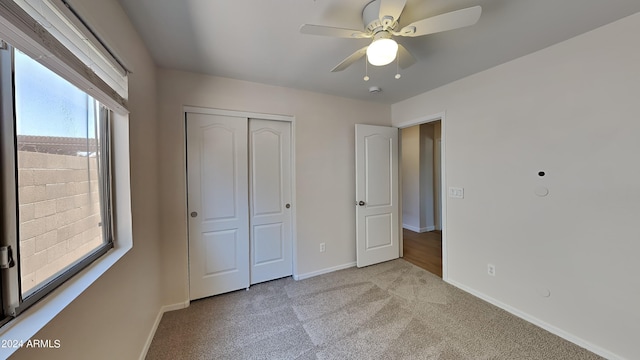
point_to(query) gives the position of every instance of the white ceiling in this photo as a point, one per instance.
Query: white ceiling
(259, 40)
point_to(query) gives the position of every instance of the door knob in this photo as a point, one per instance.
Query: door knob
(287, 206)
(361, 203)
(194, 214)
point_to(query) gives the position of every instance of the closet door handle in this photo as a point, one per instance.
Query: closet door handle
(287, 206)
(194, 214)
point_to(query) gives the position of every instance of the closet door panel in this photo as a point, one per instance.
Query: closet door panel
(270, 199)
(217, 177)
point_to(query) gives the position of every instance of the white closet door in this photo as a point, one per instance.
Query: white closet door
(270, 205)
(217, 163)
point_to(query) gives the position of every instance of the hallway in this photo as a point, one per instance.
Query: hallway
(424, 250)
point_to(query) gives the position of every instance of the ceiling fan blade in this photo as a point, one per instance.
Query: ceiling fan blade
(391, 8)
(332, 31)
(448, 21)
(350, 60)
(405, 59)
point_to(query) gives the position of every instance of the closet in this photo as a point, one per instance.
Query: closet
(239, 182)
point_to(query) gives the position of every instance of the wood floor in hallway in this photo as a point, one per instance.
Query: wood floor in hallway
(424, 250)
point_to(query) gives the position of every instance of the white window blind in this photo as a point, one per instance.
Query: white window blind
(51, 33)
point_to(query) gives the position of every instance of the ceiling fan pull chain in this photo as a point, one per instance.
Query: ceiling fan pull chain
(398, 66)
(366, 68)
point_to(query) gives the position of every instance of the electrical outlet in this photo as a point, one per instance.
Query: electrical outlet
(491, 270)
(322, 247)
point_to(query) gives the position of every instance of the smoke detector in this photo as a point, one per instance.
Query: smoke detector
(375, 89)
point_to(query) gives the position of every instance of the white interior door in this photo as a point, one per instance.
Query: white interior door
(270, 194)
(217, 162)
(377, 230)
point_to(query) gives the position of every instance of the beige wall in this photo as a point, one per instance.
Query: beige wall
(426, 177)
(113, 317)
(325, 177)
(411, 177)
(568, 260)
(417, 177)
(437, 175)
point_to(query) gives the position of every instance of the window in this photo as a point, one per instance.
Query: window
(65, 202)
(57, 152)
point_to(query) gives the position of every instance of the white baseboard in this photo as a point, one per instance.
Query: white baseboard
(417, 229)
(550, 328)
(163, 310)
(324, 271)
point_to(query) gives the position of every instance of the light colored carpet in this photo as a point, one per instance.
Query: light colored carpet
(392, 310)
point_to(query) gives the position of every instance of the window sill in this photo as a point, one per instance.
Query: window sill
(24, 327)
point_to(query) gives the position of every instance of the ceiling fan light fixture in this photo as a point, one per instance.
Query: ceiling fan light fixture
(380, 21)
(382, 51)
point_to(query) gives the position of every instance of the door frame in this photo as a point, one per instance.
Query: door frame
(443, 184)
(249, 115)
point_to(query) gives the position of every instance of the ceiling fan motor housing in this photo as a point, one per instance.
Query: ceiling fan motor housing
(371, 18)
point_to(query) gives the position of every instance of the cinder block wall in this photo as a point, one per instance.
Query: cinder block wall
(59, 213)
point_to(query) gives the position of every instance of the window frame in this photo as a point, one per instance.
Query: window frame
(21, 33)
(10, 276)
(31, 320)
(16, 301)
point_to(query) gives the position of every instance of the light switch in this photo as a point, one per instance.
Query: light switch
(456, 193)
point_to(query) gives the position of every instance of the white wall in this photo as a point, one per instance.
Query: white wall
(572, 111)
(417, 178)
(426, 177)
(325, 176)
(411, 178)
(114, 316)
(437, 175)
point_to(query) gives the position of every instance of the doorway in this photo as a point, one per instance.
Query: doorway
(421, 172)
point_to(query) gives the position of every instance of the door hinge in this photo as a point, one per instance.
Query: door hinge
(6, 258)
(3, 45)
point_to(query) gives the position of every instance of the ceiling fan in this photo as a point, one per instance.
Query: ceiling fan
(380, 18)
